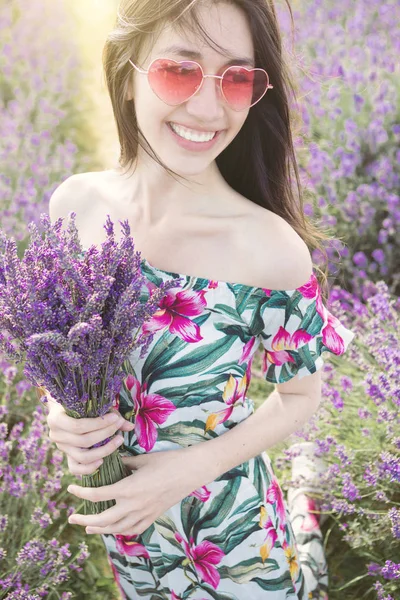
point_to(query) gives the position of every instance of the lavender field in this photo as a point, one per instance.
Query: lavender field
(345, 61)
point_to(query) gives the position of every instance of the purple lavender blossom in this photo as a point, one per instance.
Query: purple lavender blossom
(74, 317)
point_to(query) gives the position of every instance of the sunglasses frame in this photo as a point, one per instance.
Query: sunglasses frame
(220, 77)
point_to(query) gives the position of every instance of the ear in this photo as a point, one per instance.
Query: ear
(129, 94)
(129, 89)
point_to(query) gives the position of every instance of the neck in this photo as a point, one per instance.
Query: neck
(156, 193)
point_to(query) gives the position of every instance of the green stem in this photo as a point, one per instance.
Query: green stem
(187, 576)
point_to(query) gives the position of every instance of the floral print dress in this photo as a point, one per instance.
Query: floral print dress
(231, 539)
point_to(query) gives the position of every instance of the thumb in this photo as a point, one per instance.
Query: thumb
(133, 462)
(126, 424)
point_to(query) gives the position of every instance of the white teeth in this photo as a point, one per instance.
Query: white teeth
(193, 136)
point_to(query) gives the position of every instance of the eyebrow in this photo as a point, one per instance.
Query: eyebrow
(193, 54)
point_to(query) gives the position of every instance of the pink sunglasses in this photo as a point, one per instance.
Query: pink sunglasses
(175, 82)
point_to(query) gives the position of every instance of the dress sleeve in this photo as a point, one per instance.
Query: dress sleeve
(296, 329)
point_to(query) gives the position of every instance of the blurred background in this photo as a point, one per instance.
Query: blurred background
(93, 19)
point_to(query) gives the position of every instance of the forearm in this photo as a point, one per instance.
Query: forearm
(276, 419)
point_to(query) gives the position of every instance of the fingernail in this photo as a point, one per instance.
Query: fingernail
(131, 425)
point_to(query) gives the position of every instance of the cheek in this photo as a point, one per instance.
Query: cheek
(151, 112)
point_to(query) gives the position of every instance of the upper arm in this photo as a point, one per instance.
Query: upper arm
(307, 386)
(292, 267)
(298, 272)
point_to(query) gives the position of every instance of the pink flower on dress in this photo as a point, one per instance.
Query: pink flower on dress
(330, 337)
(203, 557)
(116, 402)
(248, 353)
(234, 394)
(284, 342)
(202, 493)
(126, 544)
(274, 496)
(176, 312)
(150, 409)
(271, 537)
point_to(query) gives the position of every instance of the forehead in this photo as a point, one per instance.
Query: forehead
(223, 25)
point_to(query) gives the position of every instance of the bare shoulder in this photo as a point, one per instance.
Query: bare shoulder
(82, 194)
(281, 259)
(70, 195)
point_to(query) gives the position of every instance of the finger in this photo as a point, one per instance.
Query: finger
(79, 469)
(85, 457)
(121, 527)
(84, 440)
(98, 494)
(59, 421)
(104, 519)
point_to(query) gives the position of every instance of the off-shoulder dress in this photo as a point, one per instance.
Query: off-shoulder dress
(231, 539)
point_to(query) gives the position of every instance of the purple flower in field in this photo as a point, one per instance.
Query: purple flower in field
(381, 592)
(35, 156)
(347, 383)
(381, 496)
(33, 551)
(389, 466)
(349, 490)
(391, 570)
(394, 516)
(3, 522)
(40, 518)
(364, 413)
(370, 477)
(373, 568)
(378, 255)
(360, 259)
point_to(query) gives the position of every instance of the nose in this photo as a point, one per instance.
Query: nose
(208, 103)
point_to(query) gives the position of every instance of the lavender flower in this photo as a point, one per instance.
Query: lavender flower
(30, 563)
(75, 318)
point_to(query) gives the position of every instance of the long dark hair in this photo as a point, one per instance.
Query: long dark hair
(260, 163)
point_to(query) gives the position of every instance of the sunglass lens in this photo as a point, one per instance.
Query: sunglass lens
(243, 88)
(174, 82)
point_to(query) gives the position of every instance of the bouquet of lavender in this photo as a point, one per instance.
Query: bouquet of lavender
(73, 318)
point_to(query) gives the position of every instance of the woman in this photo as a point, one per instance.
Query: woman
(205, 182)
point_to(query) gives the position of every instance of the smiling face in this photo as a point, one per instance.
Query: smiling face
(206, 110)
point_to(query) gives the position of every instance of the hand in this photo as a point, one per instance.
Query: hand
(159, 481)
(74, 437)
